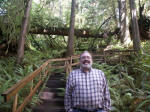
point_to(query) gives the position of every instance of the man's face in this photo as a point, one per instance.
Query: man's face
(86, 60)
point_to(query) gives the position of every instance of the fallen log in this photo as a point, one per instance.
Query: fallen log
(85, 33)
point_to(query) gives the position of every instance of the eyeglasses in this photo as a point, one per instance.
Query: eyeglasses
(85, 57)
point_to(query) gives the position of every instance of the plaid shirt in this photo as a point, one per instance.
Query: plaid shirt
(87, 90)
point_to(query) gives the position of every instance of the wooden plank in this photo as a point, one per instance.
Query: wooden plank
(73, 64)
(28, 98)
(57, 67)
(97, 55)
(14, 89)
(99, 59)
(15, 103)
(58, 59)
(64, 59)
(31, 85)
(76, 57)
(120, 51)
(45, 64)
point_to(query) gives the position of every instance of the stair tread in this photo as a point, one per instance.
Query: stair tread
(52, 98)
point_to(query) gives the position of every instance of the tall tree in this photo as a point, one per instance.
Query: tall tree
(70, 46)
(20, 52)
(115, 13)
(135, 27)
(123, 20)
(60, 9)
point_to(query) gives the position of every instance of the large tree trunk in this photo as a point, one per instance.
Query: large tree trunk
(135, 27)
(60, 9)
(20, 52)
(115, 14)
(70, 46)
(85, 33)
(123, 20)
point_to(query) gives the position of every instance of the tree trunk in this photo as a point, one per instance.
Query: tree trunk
(20, 52)
(70, 46)
(135, 27)
(123, 20)
(85, 33)
(115, 14)
(60, 9)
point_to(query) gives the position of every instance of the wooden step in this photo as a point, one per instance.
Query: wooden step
(52, 97)
(55, 84)
(48, 108)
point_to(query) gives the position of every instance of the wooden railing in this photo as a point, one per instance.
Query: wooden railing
(41, 73)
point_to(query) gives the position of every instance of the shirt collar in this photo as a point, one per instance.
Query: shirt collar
(87, 72)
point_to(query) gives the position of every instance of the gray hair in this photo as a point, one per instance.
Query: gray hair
(85, 52)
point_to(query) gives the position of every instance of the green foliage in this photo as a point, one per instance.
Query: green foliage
(10, 73)
(7, 79)
(129, 83)
(11, 19)
(123, 89)
(44, 17)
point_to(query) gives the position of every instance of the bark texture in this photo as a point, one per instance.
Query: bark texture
(123, 20)
(85, 33)
(20, 51)
(135, 27)
(70, 46)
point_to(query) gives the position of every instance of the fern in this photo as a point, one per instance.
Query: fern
(146, 103)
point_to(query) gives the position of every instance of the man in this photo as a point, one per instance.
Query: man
(86, 88)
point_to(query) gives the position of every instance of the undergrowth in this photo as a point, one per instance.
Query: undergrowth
(10, 73)
(129, 82)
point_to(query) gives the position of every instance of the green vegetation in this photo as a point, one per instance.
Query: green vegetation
(129, 82)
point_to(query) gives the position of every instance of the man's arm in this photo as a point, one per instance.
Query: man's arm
(107, 100)
(68, 98)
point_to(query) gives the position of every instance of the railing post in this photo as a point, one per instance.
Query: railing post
(49, 67)
(40, 77)
(66, 64)
(31, 86)
(47, 71)
(15, 103)
(104, 56)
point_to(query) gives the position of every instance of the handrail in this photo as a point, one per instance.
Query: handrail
(42, 72)
(14, 89)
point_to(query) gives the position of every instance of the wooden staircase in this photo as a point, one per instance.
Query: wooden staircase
(52, 96)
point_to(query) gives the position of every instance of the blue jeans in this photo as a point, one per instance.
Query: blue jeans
(76, 110)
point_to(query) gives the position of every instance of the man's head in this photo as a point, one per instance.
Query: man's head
(86, 60)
